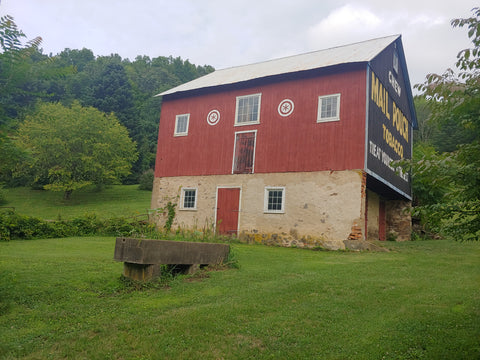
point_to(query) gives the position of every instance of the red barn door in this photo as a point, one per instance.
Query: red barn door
(228, 203)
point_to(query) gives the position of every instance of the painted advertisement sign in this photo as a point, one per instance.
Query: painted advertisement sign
(389, 127)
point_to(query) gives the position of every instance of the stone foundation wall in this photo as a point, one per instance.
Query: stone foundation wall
(290, 240)
(321, 208)
(399, 220)
(372, 215)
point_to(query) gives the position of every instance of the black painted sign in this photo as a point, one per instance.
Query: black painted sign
(389, 131)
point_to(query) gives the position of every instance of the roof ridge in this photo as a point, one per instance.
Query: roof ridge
(350, 53)
(311, 52)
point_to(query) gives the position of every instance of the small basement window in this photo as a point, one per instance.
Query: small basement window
(181, 125)
(188, 200)
(248, 110)
(274, 201)
(328, 108)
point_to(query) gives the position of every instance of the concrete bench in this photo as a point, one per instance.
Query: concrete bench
(142, 257)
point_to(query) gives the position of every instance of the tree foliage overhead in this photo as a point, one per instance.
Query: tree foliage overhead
(451, 204)
(15, 74)
(72, 147)
(15, 67)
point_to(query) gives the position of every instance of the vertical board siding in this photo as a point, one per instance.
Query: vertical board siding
(284, 144)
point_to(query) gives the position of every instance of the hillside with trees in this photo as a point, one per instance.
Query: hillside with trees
(29, 79)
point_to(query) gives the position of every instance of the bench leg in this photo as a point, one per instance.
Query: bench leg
(192, 269)
(141, 272)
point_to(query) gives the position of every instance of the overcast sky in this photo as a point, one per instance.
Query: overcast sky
(230, 33)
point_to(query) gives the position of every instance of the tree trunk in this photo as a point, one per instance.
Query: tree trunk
(66, 194)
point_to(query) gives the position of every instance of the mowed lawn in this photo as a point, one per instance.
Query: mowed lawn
(63, 298)
(113, 201)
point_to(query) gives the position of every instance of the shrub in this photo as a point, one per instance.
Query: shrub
(118, 227)
(87, 225)
(146, 180)
(3, 199)
(16, 226)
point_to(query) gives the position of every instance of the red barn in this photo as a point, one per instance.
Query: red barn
(295, 151)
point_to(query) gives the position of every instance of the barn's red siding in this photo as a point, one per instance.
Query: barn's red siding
(283, 144)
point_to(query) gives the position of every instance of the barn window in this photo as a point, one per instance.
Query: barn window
(244, 152)
(274, 200)
(328, 108)
(395, 61)
(181, 125)
(248, 110)
(188, 199)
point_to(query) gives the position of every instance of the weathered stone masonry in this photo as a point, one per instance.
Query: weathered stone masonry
(399, 220)
(320, 207)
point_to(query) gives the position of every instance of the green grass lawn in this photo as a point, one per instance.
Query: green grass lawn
(113, 201)
(63, 298)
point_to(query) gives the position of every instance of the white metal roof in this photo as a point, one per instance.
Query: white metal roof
(359, 52)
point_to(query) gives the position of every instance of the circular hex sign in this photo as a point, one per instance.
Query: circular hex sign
(285, 108)
(213, 117)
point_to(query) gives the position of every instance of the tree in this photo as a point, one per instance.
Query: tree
(72, 147)
(454, 101)
(24, 73)
(112, 92)
(15, 68)
(77, 58)
(107, 83)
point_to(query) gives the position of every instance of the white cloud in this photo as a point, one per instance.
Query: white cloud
(430, 42)
(348, 22)
(426, 20)
(350, 17)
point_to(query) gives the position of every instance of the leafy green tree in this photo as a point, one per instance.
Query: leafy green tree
(148, 78)
(104, 84)
(423, 134)
(454, 101)
(24, 75)
(68, 64)
(108, 83)
(77, 58)
(15, 68)
(73, 147)
(112, 92)
(15, 73)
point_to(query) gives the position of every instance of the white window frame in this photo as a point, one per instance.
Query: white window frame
(257, 120)
(177, 118)
(319, 111)
(182, 199)
(266, 196)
